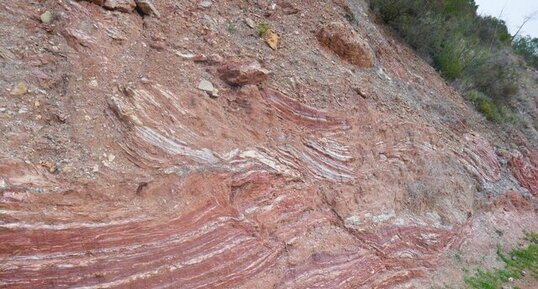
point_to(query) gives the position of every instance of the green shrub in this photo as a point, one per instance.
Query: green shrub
(489, 110)
(449, 62)
(231, 28)
(263, 28)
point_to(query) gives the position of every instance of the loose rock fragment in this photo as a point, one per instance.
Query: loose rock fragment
(6, 54)
(209, 59)
(50, 166)
(288, 8)
(237, 74)
(126, 6)
(207, 86)
(205, 4)
(147, 7)
(272, 39)
(46, 17)
(346, 43)
(250, 23)
(20, 89)
(185, 55)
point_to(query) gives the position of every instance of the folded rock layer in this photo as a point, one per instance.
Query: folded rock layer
(311, 167)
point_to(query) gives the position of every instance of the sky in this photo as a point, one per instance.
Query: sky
(513, 13)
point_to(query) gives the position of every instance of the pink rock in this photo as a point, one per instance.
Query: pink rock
(526, 172)
(482, 158)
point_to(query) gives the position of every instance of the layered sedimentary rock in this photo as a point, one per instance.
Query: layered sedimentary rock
(117, 172)
(526, 170)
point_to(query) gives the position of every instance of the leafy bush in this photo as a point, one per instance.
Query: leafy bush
(464, 47)
(492, 110)
(489, 110)
(449, 62)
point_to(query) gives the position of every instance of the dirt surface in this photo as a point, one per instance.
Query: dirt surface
(121, 167)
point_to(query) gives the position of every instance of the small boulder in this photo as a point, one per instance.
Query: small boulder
(205, 4)
(208, 59)
(207, 86)
(272, 39)
(147, 7)
(46, 17)
(342, 39)
(6, 54)
(238, 74)
(126, 6)
(250, 23)
(19, 89)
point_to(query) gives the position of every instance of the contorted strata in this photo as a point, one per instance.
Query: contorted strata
(119, 173)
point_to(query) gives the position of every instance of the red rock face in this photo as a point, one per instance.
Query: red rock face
(298, 181)
(526, 171)
(233, 214)
(481, 158)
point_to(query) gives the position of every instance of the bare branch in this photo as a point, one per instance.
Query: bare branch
(525, 20)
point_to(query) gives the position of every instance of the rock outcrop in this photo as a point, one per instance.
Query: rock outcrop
(118, 171)
(526, 170)
(237, 73)
(120, 5)
(346, 43)
(145, 7)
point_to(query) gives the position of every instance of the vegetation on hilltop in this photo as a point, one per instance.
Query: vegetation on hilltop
(473, 52)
